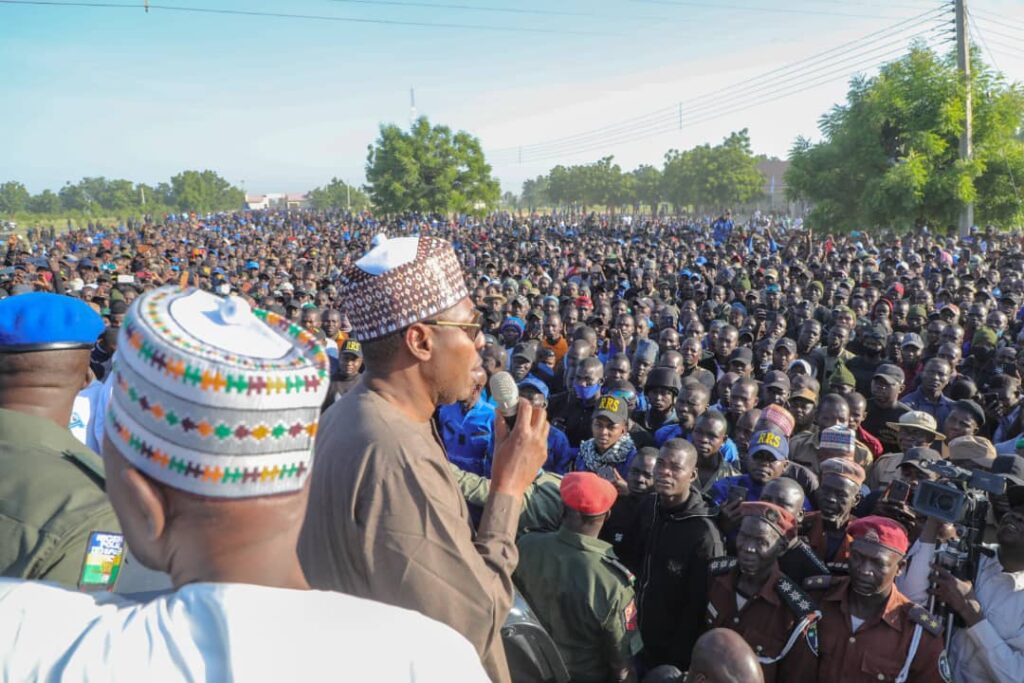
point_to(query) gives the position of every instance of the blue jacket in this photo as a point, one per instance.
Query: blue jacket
(728, 451)
(468, 435)
(560, 453)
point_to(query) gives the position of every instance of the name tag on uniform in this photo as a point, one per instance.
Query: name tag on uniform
(103, 557)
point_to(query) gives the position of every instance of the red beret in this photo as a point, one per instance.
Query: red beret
(881, 531)
(587, 493)
(780, 519)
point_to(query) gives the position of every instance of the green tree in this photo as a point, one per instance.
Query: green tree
(647, 182)
(204, 191)
(535, 193)
(890, 155)
(338, 195)
(429, 169)
(13, 197)
(46, 201)
(707, 177)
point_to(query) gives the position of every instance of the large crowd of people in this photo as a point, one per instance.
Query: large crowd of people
(742, 450)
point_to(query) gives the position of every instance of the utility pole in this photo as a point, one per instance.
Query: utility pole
(348, 196)
(963, 59)
(412, 107)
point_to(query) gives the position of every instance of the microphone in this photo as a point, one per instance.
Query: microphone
(506, 396)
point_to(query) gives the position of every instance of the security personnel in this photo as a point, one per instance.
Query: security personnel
(838, 494)
(869, 631)
(751, 595)
(580, 592)
(56, 522)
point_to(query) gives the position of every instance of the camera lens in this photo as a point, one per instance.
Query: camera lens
(944, 502)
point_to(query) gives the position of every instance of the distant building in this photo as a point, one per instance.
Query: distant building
(277, 200)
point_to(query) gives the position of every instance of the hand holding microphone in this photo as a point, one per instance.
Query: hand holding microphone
(521, 438)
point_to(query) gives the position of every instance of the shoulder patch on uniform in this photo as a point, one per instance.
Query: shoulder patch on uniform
(721, 565)
(103, 557)
(928, 621)
(629, 616)
(813, 583)
(794, 597)
(619, 567)
(839, 568)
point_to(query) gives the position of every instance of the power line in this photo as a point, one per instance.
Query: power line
(667, 118)
(288, 15)
(753, 8)
(711, 109)
(470, 8)
(990, 30)
(843, 49)
(712, 115)
(997, 18)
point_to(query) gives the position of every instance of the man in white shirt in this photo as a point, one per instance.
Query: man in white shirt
(208, 450)
(990, 645)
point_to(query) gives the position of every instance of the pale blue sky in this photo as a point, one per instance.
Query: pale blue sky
(284, 104)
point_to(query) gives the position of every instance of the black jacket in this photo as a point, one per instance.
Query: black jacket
(673, 587)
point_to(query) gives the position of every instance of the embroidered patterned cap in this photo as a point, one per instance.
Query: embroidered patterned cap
(779, 518)
(213, 398)
(399, 282)
(775, 415)
(838, 438)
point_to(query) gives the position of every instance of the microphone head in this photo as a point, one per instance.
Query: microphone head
(505, 393)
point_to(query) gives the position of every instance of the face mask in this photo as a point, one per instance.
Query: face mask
(586, 393)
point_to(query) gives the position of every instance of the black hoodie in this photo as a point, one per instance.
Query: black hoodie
(673, 587)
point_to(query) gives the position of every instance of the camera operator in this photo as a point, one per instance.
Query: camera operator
(990, 645)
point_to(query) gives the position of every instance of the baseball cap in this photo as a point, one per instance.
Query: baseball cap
(912, 339)
(536, 385)
(777, 378)
(770, 440)
(352, 347)
(891, 373)
(526, 351)
(665, 378)
(613, 408)
(741, 355)
(974, 449)
(916, 456)
(787, 343)
(805, 393)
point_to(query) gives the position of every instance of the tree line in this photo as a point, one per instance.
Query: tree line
(705, 177)
(199, 191)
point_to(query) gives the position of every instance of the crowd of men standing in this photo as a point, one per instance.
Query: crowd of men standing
(739, 417)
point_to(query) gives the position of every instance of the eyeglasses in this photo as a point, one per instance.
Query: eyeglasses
(472, 329)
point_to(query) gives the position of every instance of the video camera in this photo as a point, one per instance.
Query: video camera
(959, 497)
(955, 494)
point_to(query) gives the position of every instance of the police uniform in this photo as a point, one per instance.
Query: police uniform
(880, 649)
(581, 593)
(903, 642)
(779, 623)
(819, 541)
(56, 522)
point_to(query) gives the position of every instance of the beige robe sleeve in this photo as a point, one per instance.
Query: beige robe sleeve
(419, 549)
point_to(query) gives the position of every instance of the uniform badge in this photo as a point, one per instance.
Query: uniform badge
(629, 616)
(944, 671)
(811, 635)
(103, 557)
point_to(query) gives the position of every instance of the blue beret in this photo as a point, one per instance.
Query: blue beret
(39, 321)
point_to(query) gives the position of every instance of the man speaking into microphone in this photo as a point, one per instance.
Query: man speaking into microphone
(386, 519)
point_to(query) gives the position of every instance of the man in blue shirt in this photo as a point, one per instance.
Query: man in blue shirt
(691, 403)
(928, 397)
(560, 453)
(767, 459)
(467, 429)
